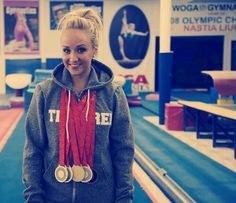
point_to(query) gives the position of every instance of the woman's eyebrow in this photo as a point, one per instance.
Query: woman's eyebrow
(81, 45)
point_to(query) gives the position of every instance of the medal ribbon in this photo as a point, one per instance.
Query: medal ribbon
(73, 141)
(79, 135)
(76, 132)
(64, 144)
(85, 127)
(90, 131)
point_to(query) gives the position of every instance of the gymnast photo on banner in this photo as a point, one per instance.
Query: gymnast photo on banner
(129, 36)
(21, 29)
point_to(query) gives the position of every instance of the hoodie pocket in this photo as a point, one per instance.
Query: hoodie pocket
(100, 177)
(55, 191)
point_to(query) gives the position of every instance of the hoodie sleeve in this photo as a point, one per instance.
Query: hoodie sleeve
(33, 149)
(122, 148)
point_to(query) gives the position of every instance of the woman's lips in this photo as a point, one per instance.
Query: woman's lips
(74, 65)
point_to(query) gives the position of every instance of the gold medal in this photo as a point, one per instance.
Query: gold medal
(88, 174)
(70, 174)
(61, 173)
(78, 173)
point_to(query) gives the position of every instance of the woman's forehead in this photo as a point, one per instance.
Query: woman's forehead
(76, 36)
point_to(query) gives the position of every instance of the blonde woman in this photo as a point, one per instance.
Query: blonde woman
(79, 138)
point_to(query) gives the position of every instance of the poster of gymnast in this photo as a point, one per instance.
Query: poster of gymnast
(21, 27)
(129, 36)
(59, 8)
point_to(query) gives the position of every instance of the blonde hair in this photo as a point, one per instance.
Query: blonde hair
(84, 19)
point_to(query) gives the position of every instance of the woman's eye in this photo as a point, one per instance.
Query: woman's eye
(81, 50)
(66, 50)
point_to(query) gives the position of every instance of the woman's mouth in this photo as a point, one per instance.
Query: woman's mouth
(74, 65)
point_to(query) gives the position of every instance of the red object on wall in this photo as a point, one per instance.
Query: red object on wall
(174, 116)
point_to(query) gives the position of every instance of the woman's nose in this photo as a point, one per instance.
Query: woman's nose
(73, 56)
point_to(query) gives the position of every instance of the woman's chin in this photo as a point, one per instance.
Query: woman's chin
(75, 73)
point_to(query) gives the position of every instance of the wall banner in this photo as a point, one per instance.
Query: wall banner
(203, 17)
(21, 23)
(59, 8)
(129, 36)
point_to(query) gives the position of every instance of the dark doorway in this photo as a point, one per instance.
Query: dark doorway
(192, 54)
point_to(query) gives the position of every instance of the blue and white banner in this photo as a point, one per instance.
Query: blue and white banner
(203, 17)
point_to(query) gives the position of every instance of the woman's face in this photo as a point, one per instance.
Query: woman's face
(77, 52)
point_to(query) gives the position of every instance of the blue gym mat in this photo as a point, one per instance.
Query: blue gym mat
(203, 179)
(153, 106)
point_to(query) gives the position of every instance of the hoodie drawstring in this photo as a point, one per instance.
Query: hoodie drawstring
(67, 116)
(68, 112)
(88, 105)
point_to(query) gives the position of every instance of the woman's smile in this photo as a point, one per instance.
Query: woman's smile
(74, 66)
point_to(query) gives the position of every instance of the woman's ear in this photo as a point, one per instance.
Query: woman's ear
(95, 52)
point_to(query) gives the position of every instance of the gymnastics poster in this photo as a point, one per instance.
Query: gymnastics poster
(59, 8)
(129, 36)
(21, 19)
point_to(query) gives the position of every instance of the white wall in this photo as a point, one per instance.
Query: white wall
(51, 46)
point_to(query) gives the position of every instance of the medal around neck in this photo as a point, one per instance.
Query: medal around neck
(70, 174)
(88, 174)
(61, 173)
(78, 173)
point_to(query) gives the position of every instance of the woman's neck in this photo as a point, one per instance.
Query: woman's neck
(79, 83)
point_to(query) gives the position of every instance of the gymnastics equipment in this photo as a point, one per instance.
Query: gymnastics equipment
(18, 81)
(152, 97)
(174, 116)
(225, 85)
(39, 76)
(134, 100)
(162, 179)
(223, 119)
(127, 87)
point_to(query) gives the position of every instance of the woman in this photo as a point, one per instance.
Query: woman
(22, 32)
(79, 138)
(23, 37)
(127, 33)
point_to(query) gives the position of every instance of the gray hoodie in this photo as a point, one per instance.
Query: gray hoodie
(114, 142)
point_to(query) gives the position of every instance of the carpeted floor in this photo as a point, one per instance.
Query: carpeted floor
(11, 186)
(9, 119)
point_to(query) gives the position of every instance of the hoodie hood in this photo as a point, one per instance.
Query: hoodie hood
(99, 77)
